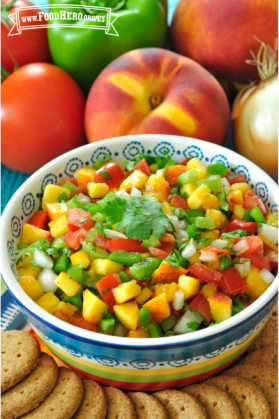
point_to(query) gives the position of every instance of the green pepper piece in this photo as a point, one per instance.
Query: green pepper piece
(217, 168)
(59, 243)
(187, 177)
(174, 190)
(145, 269)
(201, 243)
(247, 216)
(87, 248)
(256, 214)
(170, 333)
(124, 277)
(98, 216)
(151, 242)
(212, 182)
(98, 254)
(167, 324)
(237, 307)
(70, 186)
(41, 244)
(144, 317)
(92, 233)
(59, 293)
(76, 300)
(21, 246)
(61, 263)
(92, 50)
(125, 258)
(107, 325)
(92, 208)
(154, 330)
(194, 213)
(205, 223)
(75, 272)
(62, 198)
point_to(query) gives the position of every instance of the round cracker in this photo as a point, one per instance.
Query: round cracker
(147, 407)
(32, 390)
(19, 356)
(93, 405)
(63, 401)
(268, 337)
(217, 403)
(248, 397)
(266, 356)
(119, 404)
(180, 405)
(264, 377)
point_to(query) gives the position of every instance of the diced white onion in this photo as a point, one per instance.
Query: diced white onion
(174, 220)
(112, 234)
(126, 197)
(189, 250)
(270, 232)
(267, 276)
(241, 246)
(182, 225)
(226, 187)
(272, 256)
(207, 256)
(219, 243)
(189, 317)
(121, 191)
(161, 172)
(243, 268)
(83, 198)
(149, 188)
(46, 278)
(42, 260)
(178, 301)
(135, 192)
(262, 206)
(181, 234)
(177, 212)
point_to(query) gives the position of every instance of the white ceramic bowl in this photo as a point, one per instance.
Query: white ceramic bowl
(145, 364)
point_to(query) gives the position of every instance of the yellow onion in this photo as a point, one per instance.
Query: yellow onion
(255, 114)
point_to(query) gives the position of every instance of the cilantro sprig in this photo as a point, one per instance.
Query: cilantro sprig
(224, 262)
(175, 259)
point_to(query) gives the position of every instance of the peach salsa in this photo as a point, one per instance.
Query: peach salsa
(150, 250)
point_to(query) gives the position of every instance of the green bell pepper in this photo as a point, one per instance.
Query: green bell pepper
(125, 258)
(144, 270)
(84, 53)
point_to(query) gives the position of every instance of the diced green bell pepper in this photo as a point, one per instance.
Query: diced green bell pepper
(107, 325)
(194, 213)
(247, 216)
(167, 324)
(75, 272)
(151, 242)
(212, 182)
(41, 244)
(98, 254)
(257, 216)
(145, 269)
(87, 248)
(98, 216)
(76, 300)
(154, 330)
(201, 243)
(21, 246)
(174, 190)
(144, 317)
(70, 186)
(61, 263)
(124, 277)
(187, 177)
(170, 333)
(62, 198)
(125, 258)
(217, 168)
(59, 243)
(205, 223)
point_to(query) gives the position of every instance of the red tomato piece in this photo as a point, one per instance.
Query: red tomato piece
(239, 178)
(168, 239)
(251, 200)
(255, 252)
(102, 242)
(201, 305)
(105, 286)
(73, 239)
(185, 162)
(67, 179)
(217, 250)
(176, 313)
(78, 321)
(179, 202)
(79, 218)
(173, 172)
(259, 261)
(113, 177)
(273, 265)
(143, 167)
(254, 243)
(158, 253)
(232, 283)
(82, 188)
(243, 225)
(129, 245)
(38, 219)
(205, 274)
(245, 302)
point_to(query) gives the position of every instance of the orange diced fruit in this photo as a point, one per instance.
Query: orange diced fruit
(140, 332)
(30, 234)
(220, 307)
(169, 289)
(257, 286)
(86, 175)
(31, 286)
(160, 308)
(167, 273)
(189, 285)
(208, 290)
(48, 301)
(127, 314)
(159, 184)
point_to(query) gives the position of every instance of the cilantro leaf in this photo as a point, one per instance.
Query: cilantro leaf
(82, 220)
(164, 161)
(103, 292)
(114, 210)
(177, 260)
(19, 260)
(232, 250)
(224, 262)
(105, 175)
(197, 313)
(192, 231)
(213, 324)
(193, 325)
(236, 233)
(40, 196)
(224, 206)
(100, 228)
(53, 251)
(129, 165)
(244, 261)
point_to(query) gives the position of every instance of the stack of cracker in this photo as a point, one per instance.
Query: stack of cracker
(34, 387)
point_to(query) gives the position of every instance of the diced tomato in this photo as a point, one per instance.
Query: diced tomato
(232, 283)
(82, 188)
(255, 252)
(79, 218)
(201, 305)
(168, 239)
(38, 219)
(173, 172)
(254, 243)
(239, 178)
(67, 179)
(176, 313)
(179, 202)
(245, 302)
(243, 225)
(143, 167)
(102, 242)
(258, 260)
(78, 321)
(185, 162)
(273, 265)
(251, 200)
(115, 174)
(158, 253)
(216, 250)
(129, 245)
(73, 239)
(205, 274)
(105, 286)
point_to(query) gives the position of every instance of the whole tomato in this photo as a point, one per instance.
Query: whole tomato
(28, 47)
(42, 111)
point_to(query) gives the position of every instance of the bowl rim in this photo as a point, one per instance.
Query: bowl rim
(108, 340)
